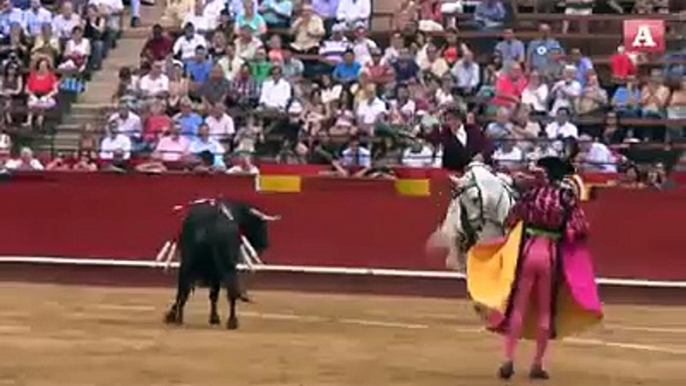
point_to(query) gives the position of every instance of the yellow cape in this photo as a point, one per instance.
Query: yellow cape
(492, 274)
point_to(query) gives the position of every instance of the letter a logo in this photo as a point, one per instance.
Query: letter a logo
(644, 35)
(643, 38)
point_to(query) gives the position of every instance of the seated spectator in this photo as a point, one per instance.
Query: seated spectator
(577, 8)
(429, 15)
(627, 98)
(509, 86)
(112, 11)
(64, 23)
(583, 65)
(596, 156)
(544, 54)
(244, 166)
(466, 73)
(215, 11)
(46, 45)
(94, 30)
(677, 109)
(179, 86)
(433, 63)
(237, 7)
(371, 110)
(354, 157)
(203, 142)
(444, 95)
(247, 44)
(405, 68)
(188, 119)
(115, 145)
(172, 147)
(654, 96)
(511, 48)
(621, 65)
(561, 127)
(155, 84)
(276, 91)
(348, 70)
(250, 18)
(219, 123)
(308, 31)
(230, 63)
(186, 45)
(158, 47)
(260, 66)
(244, 91)
(25, 162)
(215, 89)
(333, 49)
(36, 16)
(126, 122)
(76, 52)
(565, 91)
(204, 23)
(42, 88)
(490, 14)
(156, 123)
(85, 162)
(502, 128)
(353, 12)
(418, 155)
(198, 68)
(363, 46)
(277, 13)
(535, 94)
(525, 130)
(402, 109)
(509, 156)
(15, 45)
(87, 140)
(378, 72)
(293, 68)
(11, 90)
(630, 179)
(248, 136)
(593, 98)
(392, 52)
(217, 47)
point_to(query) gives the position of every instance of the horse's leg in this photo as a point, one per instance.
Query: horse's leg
(214, 298)
(233, 293)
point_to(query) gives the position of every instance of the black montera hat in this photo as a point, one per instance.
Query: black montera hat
(555, 167)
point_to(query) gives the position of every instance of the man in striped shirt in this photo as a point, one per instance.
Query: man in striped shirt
(332, 49)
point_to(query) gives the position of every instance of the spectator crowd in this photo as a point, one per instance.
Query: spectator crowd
(298, 82)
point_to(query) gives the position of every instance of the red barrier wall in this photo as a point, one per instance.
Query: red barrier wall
(332, 222)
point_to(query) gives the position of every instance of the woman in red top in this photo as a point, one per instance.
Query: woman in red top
(509, 86)
(41, 87)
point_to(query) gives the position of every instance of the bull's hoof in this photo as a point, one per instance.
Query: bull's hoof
(214, 320)
(172, 317)
(232, 324)
(245, 298)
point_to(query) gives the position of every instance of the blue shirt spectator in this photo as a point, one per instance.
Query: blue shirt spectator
(627, 98)
(199, 67)
(511, 49)
(204, 142)
(35, 17)
(583, 66)
(277, 12)
(544, 54)
(11, 16)
(325, 8)
(348, 70)
(490, 14)
(188, 120)
(21, 4)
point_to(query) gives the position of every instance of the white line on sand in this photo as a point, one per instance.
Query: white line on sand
(416, 326)
(665, 330)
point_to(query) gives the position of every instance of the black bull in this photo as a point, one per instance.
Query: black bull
(210, 248)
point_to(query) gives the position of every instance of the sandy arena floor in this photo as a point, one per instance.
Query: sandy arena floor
(79, 336)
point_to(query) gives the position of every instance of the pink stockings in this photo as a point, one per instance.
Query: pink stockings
(535, 280)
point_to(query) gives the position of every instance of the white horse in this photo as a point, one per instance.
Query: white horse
(481, 201)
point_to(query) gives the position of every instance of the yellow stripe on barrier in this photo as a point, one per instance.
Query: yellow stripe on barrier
(280, 184)
(413, 187)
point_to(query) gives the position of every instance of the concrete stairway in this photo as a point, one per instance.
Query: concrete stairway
(99, 90)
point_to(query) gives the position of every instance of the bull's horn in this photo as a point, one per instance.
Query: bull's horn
(264, 216)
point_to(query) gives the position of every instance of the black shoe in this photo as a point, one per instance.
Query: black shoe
(506, 370)
(135, 22)
(537, 372)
